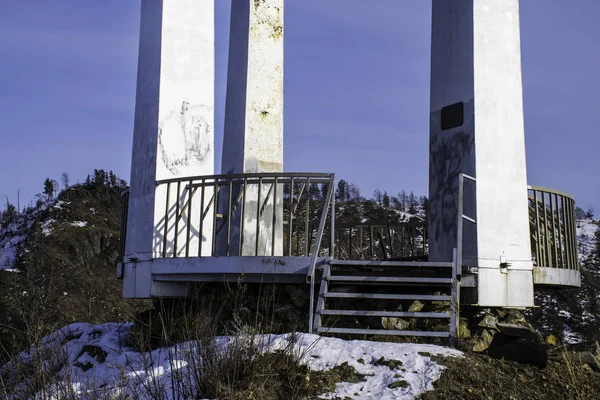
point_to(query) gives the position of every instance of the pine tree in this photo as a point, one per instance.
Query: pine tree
(49, 188)
(65, 180)
(314, 191)
(341, 194)
(386, 199)
(424, 204)
(412, 204)
(596, 250)
(403, 199)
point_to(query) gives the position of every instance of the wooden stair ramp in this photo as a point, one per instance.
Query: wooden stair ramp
(352, 290)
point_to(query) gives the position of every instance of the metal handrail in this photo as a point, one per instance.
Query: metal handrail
(460, 217)
(323, 175)
(123, 227)
(329, 202)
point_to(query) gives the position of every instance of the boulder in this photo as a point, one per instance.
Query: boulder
(586, 357)
(483, 341)
(488, 322)
(518, 349)
(416, 306)
(392, 323)
(519, 331)
(514, 317)
(463, 331)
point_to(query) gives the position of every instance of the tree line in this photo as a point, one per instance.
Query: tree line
(51, 188)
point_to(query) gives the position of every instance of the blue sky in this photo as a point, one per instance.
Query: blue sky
(356, 94)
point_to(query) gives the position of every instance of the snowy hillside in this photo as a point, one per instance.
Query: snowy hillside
(586, 228)
(12, 236)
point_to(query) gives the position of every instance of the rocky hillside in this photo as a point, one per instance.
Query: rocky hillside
(573, 315)
(57, 261)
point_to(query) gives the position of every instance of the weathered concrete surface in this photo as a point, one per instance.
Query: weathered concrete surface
(173, 128)
(556, 276)
(476, 59)
(253, 137)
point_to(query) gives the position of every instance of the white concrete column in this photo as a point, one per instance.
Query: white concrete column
(173, 134)
(477, 128)
(253, 138)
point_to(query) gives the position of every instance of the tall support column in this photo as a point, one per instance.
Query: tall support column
(476, 127)
(173, 134)
(253, 138)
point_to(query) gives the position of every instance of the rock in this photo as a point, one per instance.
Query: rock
(392, 323)
(483, 342)
(514, 317)
(463, 331)
(596, 350)
(438, 305)
(586, 357)
(488, 322)
(298, 297)
(551, 340)
(518, 349)
(540, 337)
(416, 306)
(93, 351)
(514, 330)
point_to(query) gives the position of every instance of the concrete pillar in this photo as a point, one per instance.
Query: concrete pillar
(253, 137)
(173, 132)
(476, 127)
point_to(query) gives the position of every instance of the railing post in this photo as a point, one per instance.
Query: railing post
(459, 222)
(454, 299)
(177, 206)
(313, 259)
(332, 228)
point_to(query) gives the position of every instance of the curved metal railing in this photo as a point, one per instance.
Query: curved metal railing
(553, 231)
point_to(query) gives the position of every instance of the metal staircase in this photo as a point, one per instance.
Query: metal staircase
(348, 286)
(420, 291)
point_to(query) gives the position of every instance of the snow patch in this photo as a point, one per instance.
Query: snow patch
(79, 224)
(586, 228)
(98, 356)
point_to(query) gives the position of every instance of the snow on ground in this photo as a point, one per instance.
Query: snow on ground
(586, 228)
(98, 356)
(47, 226)
(8, 251)
(79, 224)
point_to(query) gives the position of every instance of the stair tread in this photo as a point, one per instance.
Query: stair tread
(390, 279)
(368, 263)
(374, 313)
(386, 296)
(382, 332)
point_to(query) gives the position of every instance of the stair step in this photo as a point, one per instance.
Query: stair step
(388, 279)
(383, 332)
(424, 297)
(366, 263)
(398, 314)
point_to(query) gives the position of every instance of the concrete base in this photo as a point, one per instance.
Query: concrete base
(171, 277)
(556, 277)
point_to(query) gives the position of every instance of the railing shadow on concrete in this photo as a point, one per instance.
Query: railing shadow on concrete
(241, 214)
